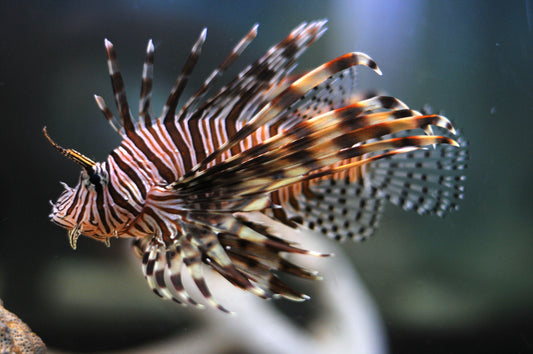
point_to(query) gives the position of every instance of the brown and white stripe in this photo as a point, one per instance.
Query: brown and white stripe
(306, 150)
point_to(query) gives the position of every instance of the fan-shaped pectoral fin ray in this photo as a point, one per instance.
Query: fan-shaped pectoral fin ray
(428, 181)
(290, 95)
(192, 258)
(162, 267)
(219, 260)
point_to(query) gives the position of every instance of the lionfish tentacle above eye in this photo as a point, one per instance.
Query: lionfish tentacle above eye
(309, 151)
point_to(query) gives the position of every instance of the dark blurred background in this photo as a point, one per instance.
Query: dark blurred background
(453, 285)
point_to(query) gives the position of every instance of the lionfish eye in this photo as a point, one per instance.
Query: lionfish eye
(95, 178)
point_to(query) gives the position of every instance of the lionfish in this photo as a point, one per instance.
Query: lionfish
(307, 151)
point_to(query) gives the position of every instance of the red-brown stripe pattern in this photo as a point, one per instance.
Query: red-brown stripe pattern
(301, 149)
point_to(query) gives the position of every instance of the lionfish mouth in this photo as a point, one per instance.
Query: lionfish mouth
(57, 219)
(74, 231)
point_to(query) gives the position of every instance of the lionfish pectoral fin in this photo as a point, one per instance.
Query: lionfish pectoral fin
(429, 181)
(242, 251)
(192, 258)
(259, 255)
(286, 98)
(342, 209)
(162, 267)
(215, 255)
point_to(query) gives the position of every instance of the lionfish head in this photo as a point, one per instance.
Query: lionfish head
(74, 209)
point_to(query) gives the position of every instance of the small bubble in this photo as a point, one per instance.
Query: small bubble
(493, 110)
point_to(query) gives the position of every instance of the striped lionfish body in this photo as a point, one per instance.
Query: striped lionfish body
(306, 151)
